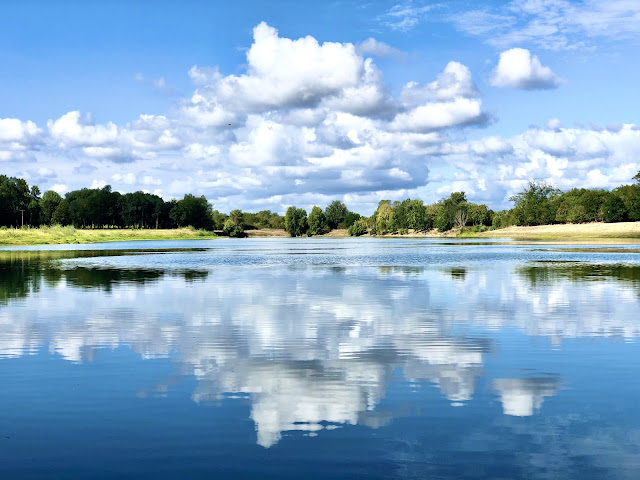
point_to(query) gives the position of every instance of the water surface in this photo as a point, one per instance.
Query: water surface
(327, 358)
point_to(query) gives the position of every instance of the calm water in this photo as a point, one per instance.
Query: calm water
(319, 359)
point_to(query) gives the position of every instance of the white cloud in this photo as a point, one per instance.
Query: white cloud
(404, 17)
(552, 24)
(454, 82)
(18, 138)
(434, 116)
(518, 68)
(127, 178)
(71, 130)
(60, 188)
(328, 132)
(380, 49)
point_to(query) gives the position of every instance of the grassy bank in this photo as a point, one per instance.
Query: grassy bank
(582, 231)
(60, 235)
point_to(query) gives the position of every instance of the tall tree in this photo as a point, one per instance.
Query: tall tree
(295, 221)
(48, 204)
(318, 221)
(335, 212)
(193, 211)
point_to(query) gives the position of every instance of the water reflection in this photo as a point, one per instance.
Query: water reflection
(314, 347)
(522, 397)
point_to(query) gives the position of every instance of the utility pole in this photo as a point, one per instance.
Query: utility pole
(22, 214)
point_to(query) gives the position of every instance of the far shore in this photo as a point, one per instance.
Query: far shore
(587, 233)
(623, 232)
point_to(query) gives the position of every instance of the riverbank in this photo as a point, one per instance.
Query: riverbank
(66, 235)
(627, 231)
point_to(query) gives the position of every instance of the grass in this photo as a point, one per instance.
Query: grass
(583, 231)
(63, 235)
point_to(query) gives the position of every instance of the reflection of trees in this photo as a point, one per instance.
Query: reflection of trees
(544, 273)
(23, 272)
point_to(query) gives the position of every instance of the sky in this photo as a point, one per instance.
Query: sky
(262, 105)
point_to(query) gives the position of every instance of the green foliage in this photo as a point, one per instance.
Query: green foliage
(382, 218)
(336, 213)
(15, 196)
(234, 226)
(579, 205)
(452, 210)
(48, 205)
(408, 214)
(295, 221)
(263, 219)
(479, 215)
(534, 205)
(630, 195)
(193, 211)
(62, 214)
(358, 228)
(351, 218)
(614, 209)
(317, 222)
(218, 219)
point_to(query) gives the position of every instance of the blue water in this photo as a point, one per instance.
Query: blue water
(319, 358)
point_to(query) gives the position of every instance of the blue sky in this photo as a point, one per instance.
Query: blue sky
(262, 105)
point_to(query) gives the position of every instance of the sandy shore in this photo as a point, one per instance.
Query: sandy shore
(623, 231)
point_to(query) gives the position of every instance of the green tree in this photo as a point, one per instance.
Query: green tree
(295, 221)
(614, 209)
(48, 204)
(451, 209)
(358, 228)
(383, 217)
(34, 212)
(318, 221)
(15, 198)
(218, 220)
(351, 218)
(234, 226)
(62, 214)
(630, 195)
(416, 215)
(335, 212)
(193, 211)
(534, 205)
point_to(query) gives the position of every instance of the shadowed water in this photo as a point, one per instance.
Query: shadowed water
(329, 358)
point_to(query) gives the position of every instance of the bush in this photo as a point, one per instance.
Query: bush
(358, 228)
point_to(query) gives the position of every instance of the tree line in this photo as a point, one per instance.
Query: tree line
(537, 204)
(98, 208)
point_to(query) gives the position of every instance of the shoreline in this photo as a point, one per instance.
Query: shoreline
(57, 235)
(563, 234)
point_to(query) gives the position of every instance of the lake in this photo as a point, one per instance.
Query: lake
(319, 358)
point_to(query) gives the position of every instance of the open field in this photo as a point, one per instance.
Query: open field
(586, 231)
(60, 235)
(267, 233)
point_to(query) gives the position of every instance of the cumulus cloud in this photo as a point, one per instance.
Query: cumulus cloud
(17, 138)
(307, 122)
(518, 68)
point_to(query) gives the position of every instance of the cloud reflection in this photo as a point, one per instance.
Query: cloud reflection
(313, 348)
